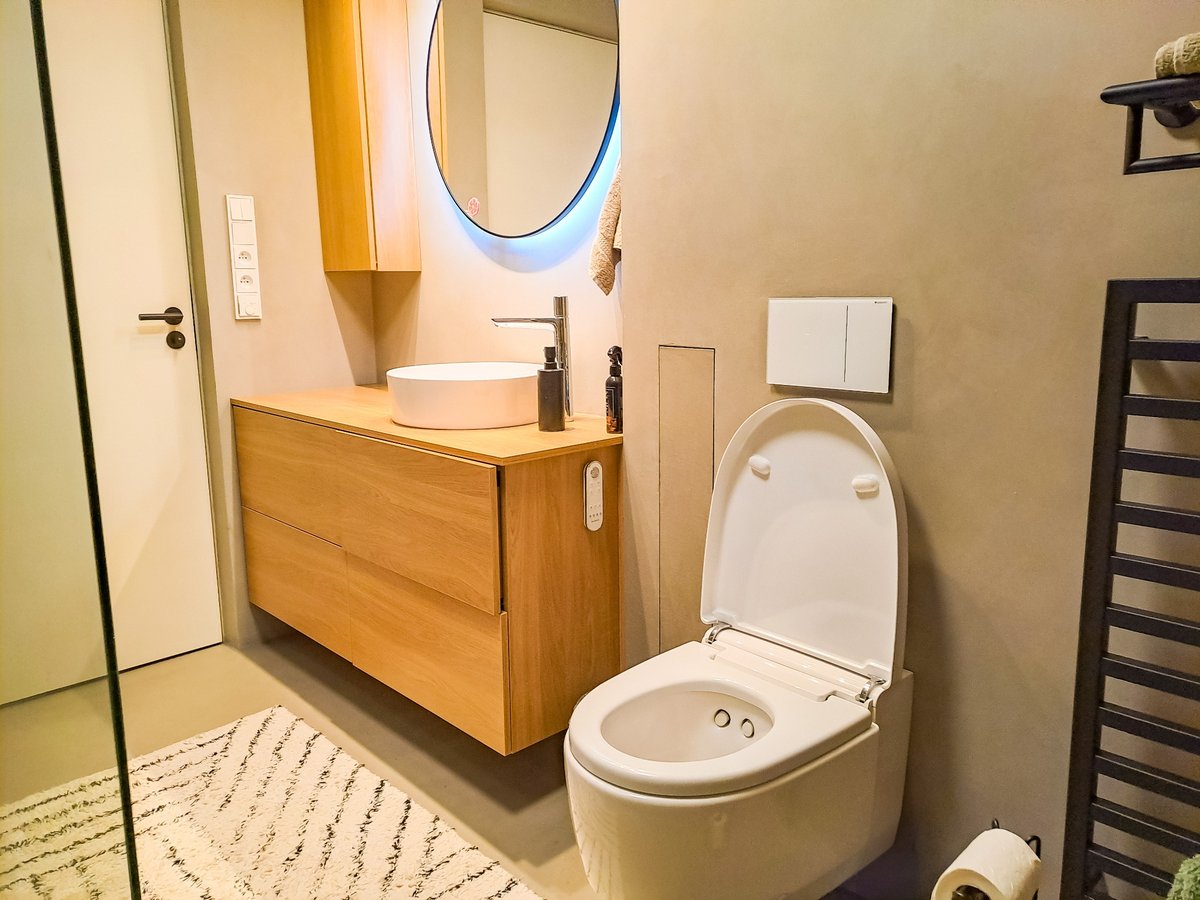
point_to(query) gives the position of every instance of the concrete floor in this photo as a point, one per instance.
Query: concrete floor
(513, 808)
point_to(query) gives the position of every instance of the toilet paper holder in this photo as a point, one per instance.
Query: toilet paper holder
(966, 892)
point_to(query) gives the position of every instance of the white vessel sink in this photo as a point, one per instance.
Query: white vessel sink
(464, 395)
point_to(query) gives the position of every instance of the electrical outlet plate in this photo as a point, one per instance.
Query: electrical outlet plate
(243, 256)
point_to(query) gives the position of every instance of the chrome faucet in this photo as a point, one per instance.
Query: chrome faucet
(560, 324)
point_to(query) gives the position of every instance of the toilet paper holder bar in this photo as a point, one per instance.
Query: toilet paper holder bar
(966, 892)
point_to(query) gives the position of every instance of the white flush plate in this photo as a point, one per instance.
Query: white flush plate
(841, 343)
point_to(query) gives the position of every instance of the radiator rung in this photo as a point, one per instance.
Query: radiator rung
(1148, 828)
(1167, 518)
(1149, 778)
(1160, 678)
(1129, 869)
(1160, 407)
(1151, 728)
(1170, 628)
(1161, 463)
(1144, 569)
(1151, 348)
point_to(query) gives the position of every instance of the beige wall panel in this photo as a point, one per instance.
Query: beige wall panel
(965, 166)
(685, 476)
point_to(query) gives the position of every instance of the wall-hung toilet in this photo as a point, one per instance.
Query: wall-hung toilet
(766, 760)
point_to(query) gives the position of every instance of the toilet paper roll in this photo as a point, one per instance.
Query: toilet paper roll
(998, 863)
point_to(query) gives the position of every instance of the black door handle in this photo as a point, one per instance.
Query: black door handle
(172, 315)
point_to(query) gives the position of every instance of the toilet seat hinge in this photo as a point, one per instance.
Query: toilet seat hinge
(864, 696)
(710, 636)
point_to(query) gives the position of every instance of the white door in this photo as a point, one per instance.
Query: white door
(113, 109)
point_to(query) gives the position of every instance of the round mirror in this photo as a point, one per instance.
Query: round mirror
(522, 100)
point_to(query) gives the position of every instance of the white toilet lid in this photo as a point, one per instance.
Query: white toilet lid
(807, 538)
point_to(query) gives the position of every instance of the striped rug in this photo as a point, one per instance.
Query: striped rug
(262, 807)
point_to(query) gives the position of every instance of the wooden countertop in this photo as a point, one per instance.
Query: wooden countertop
(364, 410)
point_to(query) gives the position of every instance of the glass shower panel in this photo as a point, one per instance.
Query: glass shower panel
(63, 822)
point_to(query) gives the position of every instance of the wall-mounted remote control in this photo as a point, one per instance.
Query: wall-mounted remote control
(593, 495)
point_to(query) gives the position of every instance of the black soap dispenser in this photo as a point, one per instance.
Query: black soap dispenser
(551, 384)
(614, 405)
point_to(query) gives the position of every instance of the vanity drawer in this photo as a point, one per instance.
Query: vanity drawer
(288, 470)
(298, 578)
(438, 652)
(433, 519)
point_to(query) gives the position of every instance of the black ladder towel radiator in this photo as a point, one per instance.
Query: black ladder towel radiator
(1154, 839)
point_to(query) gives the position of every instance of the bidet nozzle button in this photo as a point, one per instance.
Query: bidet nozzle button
(865, 485)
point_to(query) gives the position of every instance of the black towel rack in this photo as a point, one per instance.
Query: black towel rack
(1086, 857)
(1171, 100)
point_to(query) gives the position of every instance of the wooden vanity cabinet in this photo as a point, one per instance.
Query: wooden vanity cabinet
(462, 577)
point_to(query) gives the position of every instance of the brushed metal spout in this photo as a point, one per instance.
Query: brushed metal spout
(560, 324)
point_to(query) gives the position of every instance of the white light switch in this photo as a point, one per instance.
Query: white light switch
(842, 343)
(243, 257)
(248, 306)
(242, 233)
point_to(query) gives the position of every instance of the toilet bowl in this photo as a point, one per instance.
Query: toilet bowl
(766, 760)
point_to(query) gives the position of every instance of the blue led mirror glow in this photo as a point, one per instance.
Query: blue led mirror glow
(522, 105)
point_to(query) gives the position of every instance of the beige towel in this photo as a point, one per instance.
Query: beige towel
(1180, 57)
(606, 249)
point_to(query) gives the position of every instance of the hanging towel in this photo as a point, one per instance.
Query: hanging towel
(1179, 57)
(606, 249)
(1187, 881)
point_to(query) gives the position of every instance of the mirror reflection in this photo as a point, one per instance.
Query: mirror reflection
(522, 94)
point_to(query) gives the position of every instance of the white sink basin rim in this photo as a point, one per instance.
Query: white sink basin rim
(464, 395)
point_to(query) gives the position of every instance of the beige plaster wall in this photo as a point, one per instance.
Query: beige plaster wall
(443, 314)
(242, 84)
(956, 157)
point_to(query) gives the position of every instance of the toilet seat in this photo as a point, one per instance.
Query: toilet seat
(807, 538)
(802, 727)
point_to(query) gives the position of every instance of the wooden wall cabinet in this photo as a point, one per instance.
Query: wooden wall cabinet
(454, 567)
(358, 81)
